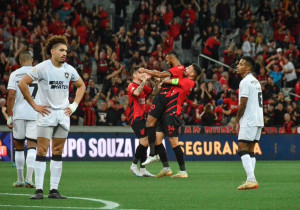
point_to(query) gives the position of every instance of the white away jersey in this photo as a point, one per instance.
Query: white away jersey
(54, 83)
(251, 89)
(22, 110)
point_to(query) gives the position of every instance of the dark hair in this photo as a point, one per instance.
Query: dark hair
(197, 69)
(134, 69)
(172, 53)
(54, 40)
(250, 61)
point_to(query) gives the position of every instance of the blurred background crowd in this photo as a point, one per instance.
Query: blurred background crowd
(109, 37)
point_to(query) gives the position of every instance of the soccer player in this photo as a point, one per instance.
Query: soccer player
(54, 111)
(22, 120)
(157, 108)
(137, 94)
(169, 105)
(249, 120)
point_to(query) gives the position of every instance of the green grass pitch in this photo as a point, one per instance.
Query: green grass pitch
(211, 185)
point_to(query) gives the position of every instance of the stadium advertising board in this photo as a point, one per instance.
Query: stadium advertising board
(202, 147)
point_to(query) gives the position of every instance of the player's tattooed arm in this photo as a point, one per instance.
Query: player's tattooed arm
(140, 88)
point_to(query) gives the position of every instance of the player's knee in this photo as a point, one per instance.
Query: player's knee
(243, 152)
(41, 151)
(173, 141)
(57, 150)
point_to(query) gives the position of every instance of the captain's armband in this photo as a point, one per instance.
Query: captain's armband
(175, 81)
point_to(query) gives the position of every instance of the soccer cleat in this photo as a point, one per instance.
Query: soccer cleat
(146, 173)
(180, 174)
(38, 195)
(134, 169)
(164, 172)
(248, 186)
(54, 194)
(29, 184)
(18, 184)
(151, 159)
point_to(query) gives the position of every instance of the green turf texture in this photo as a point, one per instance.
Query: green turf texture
(211, 185)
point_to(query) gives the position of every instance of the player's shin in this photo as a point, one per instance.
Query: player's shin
(30, 159)
(253, 159)
(143, 156)
(179, 157)
(151, 132)
(39, 170)
(161, 151)
(247, 164)
(20, 160)
(55, 171)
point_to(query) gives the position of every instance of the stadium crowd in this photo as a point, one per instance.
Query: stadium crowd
(104, 46)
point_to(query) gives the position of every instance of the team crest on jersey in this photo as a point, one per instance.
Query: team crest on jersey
(66, 75)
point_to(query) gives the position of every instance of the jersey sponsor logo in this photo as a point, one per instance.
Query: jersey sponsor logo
(58, 85)
(152, 106)
(66, 74)
(142, 100)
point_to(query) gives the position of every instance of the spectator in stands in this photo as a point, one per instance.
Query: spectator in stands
(102, 114)
(249, 46)
(219, 113)
(216, 84)
(289, 72)
(223, 13)
(208, 116)
(288, 126)
(270, 89)
(269, 115)
(279, 115)
(114, 114)
(274, 73)
(3, 115)
(102, 64)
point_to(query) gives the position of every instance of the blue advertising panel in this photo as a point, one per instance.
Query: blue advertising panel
(196, 147)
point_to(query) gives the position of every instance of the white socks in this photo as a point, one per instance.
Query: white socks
(39, 170)
(55, 171)
(20, 160)
(253, 159)
(31, 155)
(247, 164)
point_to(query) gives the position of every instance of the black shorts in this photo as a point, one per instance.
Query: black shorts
(157, 108)
(138, 126)
(160, 126)
(172, 124)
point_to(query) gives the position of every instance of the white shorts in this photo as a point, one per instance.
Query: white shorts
(249, 134)
(24, 129)
(56, 117)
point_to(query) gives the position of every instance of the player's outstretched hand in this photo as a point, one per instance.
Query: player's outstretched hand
(43, 110)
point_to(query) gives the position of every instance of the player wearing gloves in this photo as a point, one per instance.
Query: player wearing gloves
(54, 111)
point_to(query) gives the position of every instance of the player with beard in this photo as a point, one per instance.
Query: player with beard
(167, 106)
(54, 111)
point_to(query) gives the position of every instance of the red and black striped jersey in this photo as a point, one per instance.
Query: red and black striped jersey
(137, 104)
(178, 95)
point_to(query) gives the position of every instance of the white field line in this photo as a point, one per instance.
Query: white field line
(108, 204)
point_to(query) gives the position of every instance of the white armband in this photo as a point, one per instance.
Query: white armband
(73, 106)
